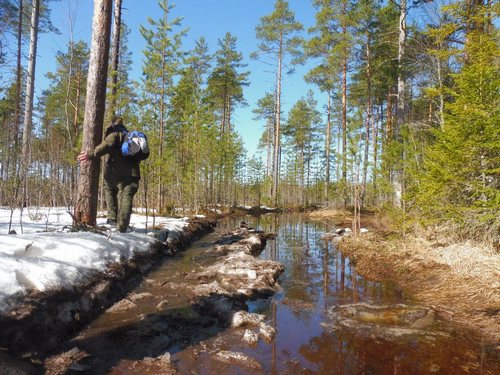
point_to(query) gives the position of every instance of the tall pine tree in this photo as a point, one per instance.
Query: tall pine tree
(280, 41)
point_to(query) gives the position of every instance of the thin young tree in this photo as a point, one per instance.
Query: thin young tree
(86, 205)
(335, 24)
(225, 87)
(265, 111)
(115, 56)
(30, 90)
(301, 133)
(322, 45)
(278, 33)
(163, 57)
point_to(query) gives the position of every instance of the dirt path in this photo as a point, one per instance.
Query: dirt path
(186, 308)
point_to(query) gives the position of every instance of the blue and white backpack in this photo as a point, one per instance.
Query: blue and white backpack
(135, 146)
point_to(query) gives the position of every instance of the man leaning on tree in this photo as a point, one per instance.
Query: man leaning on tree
(121, 175)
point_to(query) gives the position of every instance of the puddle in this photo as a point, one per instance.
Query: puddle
(381, 332)
(325, 319)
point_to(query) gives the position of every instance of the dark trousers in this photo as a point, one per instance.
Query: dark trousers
(119, 197)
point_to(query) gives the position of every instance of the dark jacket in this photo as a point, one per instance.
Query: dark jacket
(116, 165)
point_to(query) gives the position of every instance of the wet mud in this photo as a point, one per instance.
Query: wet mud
(229, 305)
(39, 321)
(166, 314)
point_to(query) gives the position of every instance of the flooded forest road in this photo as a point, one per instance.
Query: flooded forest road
(322, 318)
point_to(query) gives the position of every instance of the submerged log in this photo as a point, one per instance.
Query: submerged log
(389, 322)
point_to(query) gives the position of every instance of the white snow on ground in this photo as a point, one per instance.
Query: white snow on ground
(45, 256)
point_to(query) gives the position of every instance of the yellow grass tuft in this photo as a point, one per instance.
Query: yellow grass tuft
(461, 281)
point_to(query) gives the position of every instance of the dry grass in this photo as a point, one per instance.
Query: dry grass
(331, 213)
(460, 281)
(373, 221)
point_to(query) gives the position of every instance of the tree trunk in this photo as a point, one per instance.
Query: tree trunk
(369, 119)
(269, 147)
(30, 90)
(388, 134)
(441, 94)
(86, 205)
(375, 152)
(308, 174)
(73, 183)
(159, 203)
(339, 151)
(276, 151)
(400, 111)
(344, 129)
(344, 107)
(67, 99)
(327, 146)
(17, 111)
(301, 177)
(116, 54)
(397, 181)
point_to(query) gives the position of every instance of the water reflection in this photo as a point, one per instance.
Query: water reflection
(315, 270)
(317, 278)
(308, 341)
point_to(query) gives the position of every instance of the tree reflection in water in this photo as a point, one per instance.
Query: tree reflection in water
(317, 277)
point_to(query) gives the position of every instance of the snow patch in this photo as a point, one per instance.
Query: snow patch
(41, 260)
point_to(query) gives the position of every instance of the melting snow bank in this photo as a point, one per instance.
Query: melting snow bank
(225, 286)
(238, 276)
(51, 284)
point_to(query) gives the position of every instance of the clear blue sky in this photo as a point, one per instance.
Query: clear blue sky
(208, 18)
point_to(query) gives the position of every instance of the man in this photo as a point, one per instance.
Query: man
(121, 175)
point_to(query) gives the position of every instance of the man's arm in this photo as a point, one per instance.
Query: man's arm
(105, 147)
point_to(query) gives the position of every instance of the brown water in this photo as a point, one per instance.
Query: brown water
(308, 340)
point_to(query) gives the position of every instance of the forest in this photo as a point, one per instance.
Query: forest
(411, 124)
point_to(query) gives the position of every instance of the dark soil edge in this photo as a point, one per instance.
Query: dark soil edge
(43, 320)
